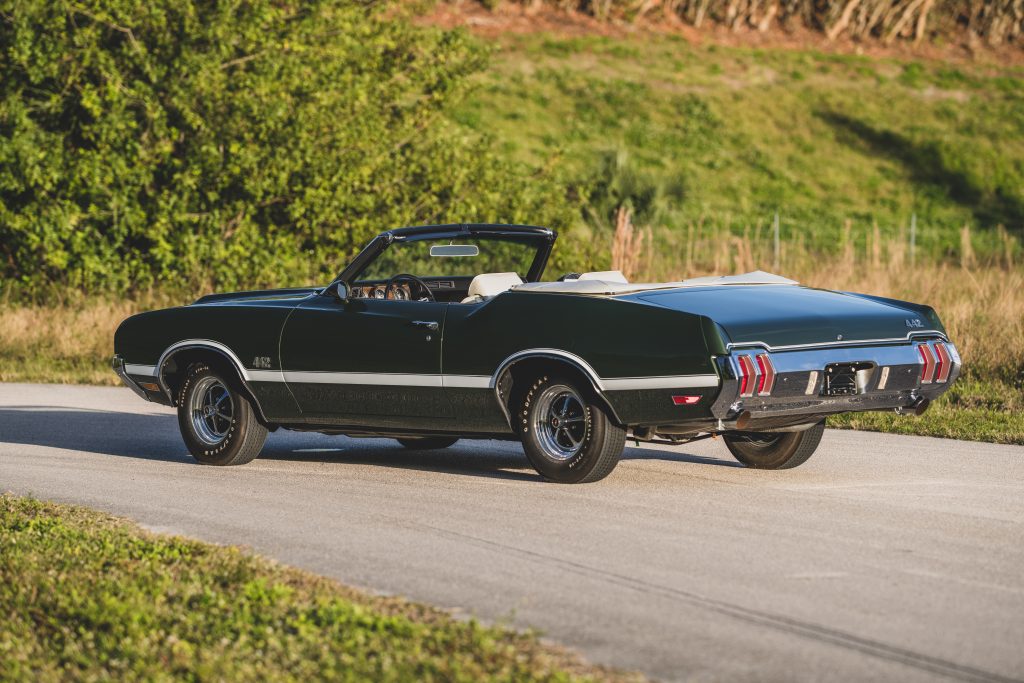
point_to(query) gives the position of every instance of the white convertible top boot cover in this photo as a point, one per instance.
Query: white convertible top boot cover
(605, 287)
(487, 285)
(605, 276)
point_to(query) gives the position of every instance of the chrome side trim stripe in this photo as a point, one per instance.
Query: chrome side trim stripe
(466, 381)
(386, 379)
(425, 380)
(614, 383)
(669, 382)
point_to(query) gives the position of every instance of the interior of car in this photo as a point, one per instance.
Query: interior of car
(475, 270)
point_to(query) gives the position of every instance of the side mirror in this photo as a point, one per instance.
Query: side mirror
(340, 291)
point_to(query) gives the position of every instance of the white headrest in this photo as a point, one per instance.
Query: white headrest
(606, 276)
(492, 284)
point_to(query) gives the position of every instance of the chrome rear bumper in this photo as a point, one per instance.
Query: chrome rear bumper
(792, 383)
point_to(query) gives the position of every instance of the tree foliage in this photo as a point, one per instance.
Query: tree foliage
(232, 142)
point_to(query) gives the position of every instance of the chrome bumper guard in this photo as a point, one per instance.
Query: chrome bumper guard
(779, 384)
(117, 363)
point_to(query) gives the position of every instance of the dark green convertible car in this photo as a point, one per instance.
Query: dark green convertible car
(438, 333)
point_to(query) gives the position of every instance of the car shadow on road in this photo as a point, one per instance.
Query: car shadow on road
(146, 437)
(156, 437)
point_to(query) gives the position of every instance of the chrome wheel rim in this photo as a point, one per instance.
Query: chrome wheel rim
(212, 410)
(560, 422)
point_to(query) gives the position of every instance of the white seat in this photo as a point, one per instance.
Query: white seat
(486, 285)
(605, 276)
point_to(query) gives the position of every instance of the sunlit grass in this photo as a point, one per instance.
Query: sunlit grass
(86, 597)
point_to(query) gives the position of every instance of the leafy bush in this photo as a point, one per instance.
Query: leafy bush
(232, 143)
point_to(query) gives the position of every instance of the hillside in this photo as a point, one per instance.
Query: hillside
(714, 137)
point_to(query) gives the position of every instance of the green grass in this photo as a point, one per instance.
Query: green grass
(729, 135)
(972, 410)
(85, 596)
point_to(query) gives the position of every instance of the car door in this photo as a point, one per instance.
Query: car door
(370, 362)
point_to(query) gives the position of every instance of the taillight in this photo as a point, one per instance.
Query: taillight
(945, 364)
(685, 400)
(767, 381)
(747, 376)
(757, 379)
(928, 368)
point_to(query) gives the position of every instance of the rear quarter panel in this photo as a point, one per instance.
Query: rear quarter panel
(619, 339)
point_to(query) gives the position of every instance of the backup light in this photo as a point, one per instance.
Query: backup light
(928, 368)
(756, 379)
(747, 376)
(767, 381)
(945, 364)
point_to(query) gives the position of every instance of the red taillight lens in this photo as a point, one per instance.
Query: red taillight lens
(747, 376)
(928, 368)
(685, 400)
(945, 363)
(767, 381)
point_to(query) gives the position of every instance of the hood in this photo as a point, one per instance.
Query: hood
(256, 296)
(784, 315)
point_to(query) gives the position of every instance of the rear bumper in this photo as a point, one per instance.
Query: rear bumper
(888, 377)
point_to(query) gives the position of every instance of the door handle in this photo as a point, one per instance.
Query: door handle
(429, 324)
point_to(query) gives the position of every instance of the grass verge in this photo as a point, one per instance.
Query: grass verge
(87, 596)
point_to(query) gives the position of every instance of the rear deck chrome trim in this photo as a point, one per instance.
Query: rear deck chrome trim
(739, 346)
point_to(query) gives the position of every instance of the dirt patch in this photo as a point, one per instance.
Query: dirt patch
(513, 18)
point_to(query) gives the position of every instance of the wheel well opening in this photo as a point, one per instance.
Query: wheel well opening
(515, 381)
(176, 366)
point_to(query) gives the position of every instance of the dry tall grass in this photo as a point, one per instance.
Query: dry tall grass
(70, 342)
(982, 306)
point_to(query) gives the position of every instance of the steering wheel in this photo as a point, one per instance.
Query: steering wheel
(411, 278)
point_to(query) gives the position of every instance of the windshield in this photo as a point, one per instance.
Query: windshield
(427, 258)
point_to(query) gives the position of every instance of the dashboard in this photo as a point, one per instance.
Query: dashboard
(442, 289)
(399, 291)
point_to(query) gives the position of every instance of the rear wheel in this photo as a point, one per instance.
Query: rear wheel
(427, 443)
(218, 424)
(567, 437)
(774, 450)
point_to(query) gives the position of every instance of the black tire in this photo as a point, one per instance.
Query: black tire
(427, 443)
(567, 436)
(774, 450)
(231, 436)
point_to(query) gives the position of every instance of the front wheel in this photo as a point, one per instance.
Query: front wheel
(218, 424)
(567, 437)
(774, 450)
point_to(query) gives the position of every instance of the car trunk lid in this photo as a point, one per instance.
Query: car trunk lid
(786, 315)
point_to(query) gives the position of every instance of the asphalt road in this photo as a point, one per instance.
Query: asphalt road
(884, 557)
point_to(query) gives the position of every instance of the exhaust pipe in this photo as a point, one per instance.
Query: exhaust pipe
(917, 408)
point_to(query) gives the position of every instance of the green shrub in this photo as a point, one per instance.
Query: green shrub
(233, 143)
